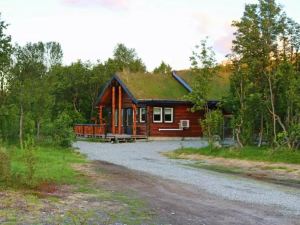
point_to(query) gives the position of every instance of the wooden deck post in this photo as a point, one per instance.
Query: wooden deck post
(100, 115)
(120, 111)
(113, 107)
(134, 119)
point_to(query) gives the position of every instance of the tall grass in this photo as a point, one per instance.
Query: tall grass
(48, 165)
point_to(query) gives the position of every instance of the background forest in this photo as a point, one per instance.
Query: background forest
(42, 98)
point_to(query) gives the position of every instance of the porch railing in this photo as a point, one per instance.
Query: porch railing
(97, 130)
(89, 130)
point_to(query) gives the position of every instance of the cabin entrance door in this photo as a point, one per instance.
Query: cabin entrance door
(127, 120)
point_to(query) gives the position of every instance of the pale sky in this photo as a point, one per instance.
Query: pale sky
(158, 29)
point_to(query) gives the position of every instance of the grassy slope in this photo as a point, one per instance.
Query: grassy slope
(53, 165)
(219, 86)
(247, 153)
(153, 86)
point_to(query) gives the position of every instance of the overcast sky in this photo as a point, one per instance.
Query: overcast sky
(158, 29)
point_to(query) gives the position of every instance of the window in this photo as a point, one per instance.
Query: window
(157, 114)
(168, 115)
(142, 115)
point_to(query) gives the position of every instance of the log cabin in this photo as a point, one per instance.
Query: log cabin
(153, 106)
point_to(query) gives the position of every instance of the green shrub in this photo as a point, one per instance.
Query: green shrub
(5, 166)
(30, 161)
(63, 133)
(212, 124)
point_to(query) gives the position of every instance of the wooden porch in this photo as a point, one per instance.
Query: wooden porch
(99, 131)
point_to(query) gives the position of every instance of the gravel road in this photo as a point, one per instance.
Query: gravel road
(146, 157)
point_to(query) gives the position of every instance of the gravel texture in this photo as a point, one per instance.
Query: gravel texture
(146, 157)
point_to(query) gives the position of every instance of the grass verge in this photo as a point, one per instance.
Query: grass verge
(48, 164)
(247, 153)
(217, 168)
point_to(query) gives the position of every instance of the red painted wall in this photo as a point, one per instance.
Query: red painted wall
(180, 112)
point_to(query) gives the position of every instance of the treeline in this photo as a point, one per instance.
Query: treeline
(265, 83)
(41, 98)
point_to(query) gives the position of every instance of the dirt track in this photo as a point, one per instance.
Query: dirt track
(181, 204)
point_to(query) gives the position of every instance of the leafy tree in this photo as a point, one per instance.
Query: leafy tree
(5, 62)
(258, 81)
(212, 125)
(29, 83)
(163, 68)
(5, 57)
(62, 132)
(204, 69)
(126, 59)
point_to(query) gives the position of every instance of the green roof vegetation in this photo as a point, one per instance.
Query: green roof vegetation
(220, 85)
(150, 86)
(147, 86)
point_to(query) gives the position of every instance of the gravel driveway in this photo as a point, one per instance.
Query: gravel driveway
(145, 156)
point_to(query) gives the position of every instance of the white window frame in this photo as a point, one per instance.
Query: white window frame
(172, 115)
(161, 115)
(141, 120)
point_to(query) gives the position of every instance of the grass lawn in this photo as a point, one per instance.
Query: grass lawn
(247, 153)
(84, 201)
(50, 165)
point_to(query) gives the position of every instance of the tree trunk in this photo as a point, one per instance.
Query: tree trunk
(261, 131)
(273, 110)
(237, 134)
(21, 122)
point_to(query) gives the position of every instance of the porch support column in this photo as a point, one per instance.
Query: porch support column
(134, 119)
(113, 107)
(120, 111)
(101, 115)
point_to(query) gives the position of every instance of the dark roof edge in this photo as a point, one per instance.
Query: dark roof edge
(126, 89)
(181, 81)
(163, 101)
(115, 77)
(103, 90)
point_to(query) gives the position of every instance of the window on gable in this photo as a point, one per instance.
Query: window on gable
(157, 114)
(168, 115)
(142, 115)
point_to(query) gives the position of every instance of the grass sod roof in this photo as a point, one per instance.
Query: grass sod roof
(220, 85)
(147, 86)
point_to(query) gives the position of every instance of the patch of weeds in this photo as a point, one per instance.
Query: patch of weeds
(86, 189)
(98, 140)
(79, 217)
(8, 216)
(53, 199)
(171, 155)
(133, 210)
(274, 168)
(136, 211)
(32, 199)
